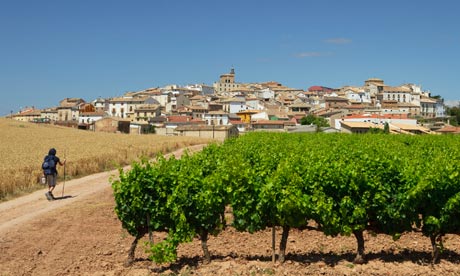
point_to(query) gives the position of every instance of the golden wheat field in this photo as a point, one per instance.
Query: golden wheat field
(24, 145)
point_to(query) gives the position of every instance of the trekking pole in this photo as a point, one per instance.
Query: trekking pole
(65, 161)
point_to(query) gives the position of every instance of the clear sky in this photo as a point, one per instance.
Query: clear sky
(55, 49)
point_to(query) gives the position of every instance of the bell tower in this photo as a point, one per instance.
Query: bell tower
(228, 78)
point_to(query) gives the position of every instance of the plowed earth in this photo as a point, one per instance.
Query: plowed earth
(81, 235)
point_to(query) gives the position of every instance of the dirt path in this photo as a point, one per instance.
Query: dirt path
(81, 235)
(17, 212)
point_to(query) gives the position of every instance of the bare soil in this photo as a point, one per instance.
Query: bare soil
(81, 235)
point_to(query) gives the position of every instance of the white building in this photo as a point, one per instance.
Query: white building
(216, 118)
(265, 94)
(90, 117)
(376, 120)
(202, 88)
(357, 95)
(234, 105)
(123, 107)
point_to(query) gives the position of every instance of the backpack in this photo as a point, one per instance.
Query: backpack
(48, 165)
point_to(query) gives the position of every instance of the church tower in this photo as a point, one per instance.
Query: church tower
(226, 82)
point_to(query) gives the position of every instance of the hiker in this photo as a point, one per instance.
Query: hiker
(50, 171)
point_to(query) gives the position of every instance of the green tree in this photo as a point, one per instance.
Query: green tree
(311, 119)
(454, 113)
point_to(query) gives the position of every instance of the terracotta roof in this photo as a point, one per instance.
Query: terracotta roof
(410, 127)
(147, 107)
(356, 106)
(396, 89)
(251, 111)
(95, 113)
(359, 124)
(377, 116)
(218, 112)
(178, 119)
(29, 112)
(197, 107)
(125, 99)
(427, 100)
(449, 129)
(336, 99)
(272, 122)
(237, 122)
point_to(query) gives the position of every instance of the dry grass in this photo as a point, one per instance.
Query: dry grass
(24, 145)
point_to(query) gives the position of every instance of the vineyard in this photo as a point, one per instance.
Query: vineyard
(335, 184)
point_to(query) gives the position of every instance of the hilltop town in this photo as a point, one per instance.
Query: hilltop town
(228, 108)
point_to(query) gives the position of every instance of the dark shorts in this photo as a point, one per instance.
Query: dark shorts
(51, 180)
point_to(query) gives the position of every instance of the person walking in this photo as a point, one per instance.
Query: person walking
(50, 171)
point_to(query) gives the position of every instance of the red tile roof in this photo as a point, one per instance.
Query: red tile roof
(178, 119)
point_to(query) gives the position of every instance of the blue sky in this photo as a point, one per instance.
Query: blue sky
(50, 50)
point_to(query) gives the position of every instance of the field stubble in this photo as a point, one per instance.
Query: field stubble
(24, 145)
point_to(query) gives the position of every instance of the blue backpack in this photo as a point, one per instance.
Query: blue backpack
(48, 165)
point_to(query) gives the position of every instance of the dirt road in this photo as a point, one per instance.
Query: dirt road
(81, 235)
(55, 238)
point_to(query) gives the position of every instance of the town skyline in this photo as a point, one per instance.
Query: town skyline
(54, 50)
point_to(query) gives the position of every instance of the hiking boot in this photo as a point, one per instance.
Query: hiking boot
(51, 195)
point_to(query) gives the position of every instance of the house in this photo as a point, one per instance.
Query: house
(100, 105)
(246, 115)
(234, 105)
(357, 95)
(28, 115)
(357, 127)
(300, 107)
(375, 119)
(318, 90)
(140, 127)
(265, 94)
(86, 119)
(174, 121)
(217, 118)
(220, 133)
(395, 128)
(50, 114)
(271, 125)
(240, 125)
(123, 107)
(400, 94)
(254, 104)
(69, 109)
(176, 101)
(259, 116)
(335, 102)
(112, 124)
(449, 130)
(412, 129)
(428, 107)
(198, 111)
(144, 112)
(202, 88)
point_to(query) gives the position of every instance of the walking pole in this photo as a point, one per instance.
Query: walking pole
(65, 161)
